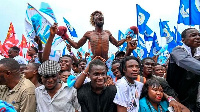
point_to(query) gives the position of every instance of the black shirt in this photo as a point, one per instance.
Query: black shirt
(92, 102)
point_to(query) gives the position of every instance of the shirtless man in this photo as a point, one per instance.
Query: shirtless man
(99, 38)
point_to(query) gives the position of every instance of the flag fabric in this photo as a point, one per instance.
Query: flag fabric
(135, 53)
(178, 37)
(120, 37)
(28, 57)
(45, 8)
(22, 45)
(195, 12)
(164, 29)
(11, 31)
(142, 50)
(171, 42)
(54, 55)
(162, 50)
(142, 18)
(109, 61)
(40, 24)
(147, 37)
(1, 49)
(183, 15)
(10, 40)
(162, 59)
(63, 52)
(148, 30)
(70, 28)
(155, 46)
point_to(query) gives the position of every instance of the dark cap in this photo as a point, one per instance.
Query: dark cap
(119, 52)
(49, 68)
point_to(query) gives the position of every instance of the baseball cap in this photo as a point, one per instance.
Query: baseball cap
(49, 68)
(119, 52)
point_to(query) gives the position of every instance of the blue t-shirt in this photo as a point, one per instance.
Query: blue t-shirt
(143, 106)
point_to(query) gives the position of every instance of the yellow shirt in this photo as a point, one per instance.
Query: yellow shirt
(22, 96)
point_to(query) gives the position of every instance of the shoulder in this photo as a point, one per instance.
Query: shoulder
(28, 86)
(88, 33)
(143, 101)
(111, 89)
(107, 31)
(121, 83)
(84, 88)
(178, 49)
(139, 84)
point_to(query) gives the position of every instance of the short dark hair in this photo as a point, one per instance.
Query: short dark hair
(15, 48)
(35, 49)
(10, 63)
(149, 82)
(120, 66)
(142, 62)
(95, 63)
(183, 34)
(65, 56)
(127, 58)
(82, 60)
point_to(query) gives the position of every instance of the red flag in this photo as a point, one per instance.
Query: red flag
(22, 45)
(10, 40)
(28, 57)
(1, 49)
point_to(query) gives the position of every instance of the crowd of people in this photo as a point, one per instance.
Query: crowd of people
(74, 85)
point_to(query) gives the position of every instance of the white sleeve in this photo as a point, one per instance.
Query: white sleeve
(121, 97)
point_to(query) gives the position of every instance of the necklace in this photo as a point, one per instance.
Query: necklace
(152, 108)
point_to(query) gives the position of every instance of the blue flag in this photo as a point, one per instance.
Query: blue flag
(155, 46)
(70, 28)
(164, 29)
(45, 8)
(142, 18)
(183, 15)
(195, 12)
(171, 42)
(178, 37)
(64, 53)
(162, 50)
(120, 37)
(147, 34)
(162, 59)
(142, 50)
(135, 53)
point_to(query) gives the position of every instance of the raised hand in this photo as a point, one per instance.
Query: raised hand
(54, 29)
(69, 47)
(132, 45)
(87, 54)
(79, 54)
(99, 57)
(37, 40)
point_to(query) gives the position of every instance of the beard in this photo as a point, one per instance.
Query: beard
(100, 24)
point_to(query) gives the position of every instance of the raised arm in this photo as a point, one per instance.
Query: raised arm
(114, 41)
(76, 45)
(47, 48)
(38, 41)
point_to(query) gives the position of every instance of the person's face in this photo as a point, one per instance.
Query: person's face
(99, 19)
(12, 53)
(75, 68)
(192, 38)
(3, 73)
(155, 94)
(29, 71)
(115, 70)
(148, 67)
(65, 63)
(159, 70)
(64, 76)
(81, 66)
(132, 69)
(98, 76)
(50, 82)
(31, 52)
(22, 68)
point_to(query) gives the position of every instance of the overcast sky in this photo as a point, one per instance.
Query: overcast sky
(118, 14)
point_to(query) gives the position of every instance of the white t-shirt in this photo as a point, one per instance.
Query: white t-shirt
(128, 94)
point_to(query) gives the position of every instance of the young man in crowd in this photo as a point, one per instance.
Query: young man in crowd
(183, 73)
(13, 52)
(14, 89)
(53, 95)
(94, 96)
